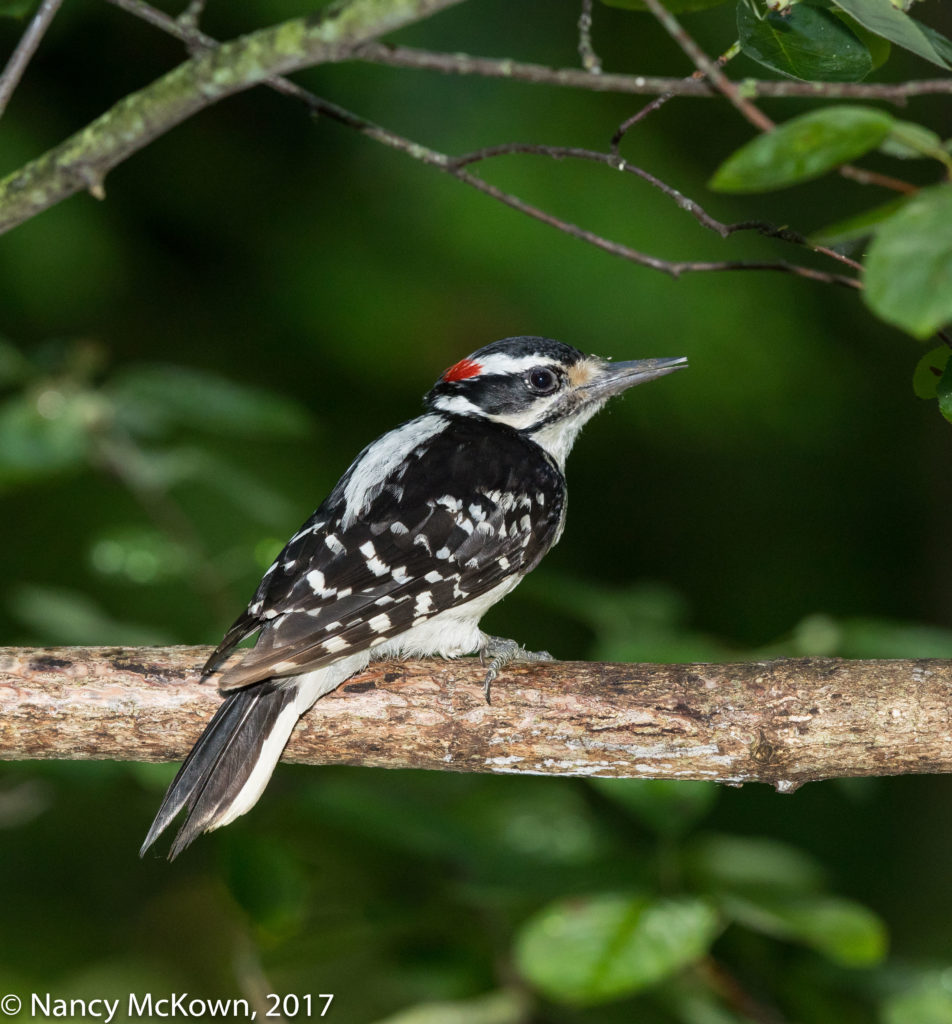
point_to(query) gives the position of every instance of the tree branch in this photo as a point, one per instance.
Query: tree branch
(637, 85)
(455, 166)
(83, 160)
(27, 46)
(781, 722)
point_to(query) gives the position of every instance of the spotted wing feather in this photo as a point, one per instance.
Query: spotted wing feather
(421, 545)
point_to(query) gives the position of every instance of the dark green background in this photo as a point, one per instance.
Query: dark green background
(786, 495)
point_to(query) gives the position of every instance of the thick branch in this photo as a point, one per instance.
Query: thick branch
(782, 722)
(84, 159)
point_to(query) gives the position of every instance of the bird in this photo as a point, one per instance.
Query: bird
(433, 524)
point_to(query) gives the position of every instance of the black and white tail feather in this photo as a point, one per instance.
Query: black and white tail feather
(433, 524)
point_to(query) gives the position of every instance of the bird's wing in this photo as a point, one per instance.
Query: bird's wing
(421, 545)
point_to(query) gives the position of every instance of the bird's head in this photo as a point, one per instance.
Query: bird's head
(540, 387)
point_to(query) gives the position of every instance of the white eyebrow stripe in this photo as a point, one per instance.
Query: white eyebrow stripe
(499, 362)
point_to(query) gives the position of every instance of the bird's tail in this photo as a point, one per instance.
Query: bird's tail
(229, 767)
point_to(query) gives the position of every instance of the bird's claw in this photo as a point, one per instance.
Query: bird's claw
(502, 652)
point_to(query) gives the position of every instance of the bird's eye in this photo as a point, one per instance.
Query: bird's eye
(542, 380)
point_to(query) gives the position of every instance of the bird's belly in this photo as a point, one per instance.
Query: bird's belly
(449, 633)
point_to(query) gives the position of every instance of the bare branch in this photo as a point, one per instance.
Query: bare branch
(639, 85)
(27, 46)
(708, 67)
(590, 59)
(456, 167)
(782, 722)
(82, 161)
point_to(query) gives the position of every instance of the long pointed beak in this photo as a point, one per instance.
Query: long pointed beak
(617, 377)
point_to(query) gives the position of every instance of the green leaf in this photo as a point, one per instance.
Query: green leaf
(15, 368)
(860, 226)
(61, 615)
(666, 806)
(803, 42)
(909, 266)
(910, 141)
(154, 398)
(602, 947)
(17, 8)
(944, 392)
(674, 6)
(803, 148)
(740, 864)
(928, 1001)
(843, 931)
(505, 1006)
(44, 433)
(885, 20)
(925, 377)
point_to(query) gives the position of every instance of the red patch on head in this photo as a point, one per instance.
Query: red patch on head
(463, 369)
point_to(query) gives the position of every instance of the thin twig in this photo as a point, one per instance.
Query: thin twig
(660, 101)
(23, 54)
(590, 59)
(682, 201)
(708, 67)
(637, 85)
(749, 110)
(455, 166)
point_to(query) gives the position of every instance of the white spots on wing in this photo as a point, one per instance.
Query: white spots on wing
(525, 524)
(485, 529)
(398, 528)
(269, 614)
(345, 592)
(503, 562)
(449, 502)
(380, 623)
(477, 512)
(444, 552)
(333, 543)
(423, 541)
(316, 580)
(540, 498)
(400, 574)
(433, 576)
(334, 644)
(336, 624)
(289, 565)
(374, 564)
(464, 524)
(383, 599)
(423, 603)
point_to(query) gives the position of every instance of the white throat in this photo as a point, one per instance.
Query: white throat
(557, 438)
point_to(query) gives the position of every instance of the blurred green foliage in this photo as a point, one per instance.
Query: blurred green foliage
(188, 367)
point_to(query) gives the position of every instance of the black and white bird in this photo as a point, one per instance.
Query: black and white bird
(432, 524)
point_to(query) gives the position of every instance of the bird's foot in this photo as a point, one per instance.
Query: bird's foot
(499, 652)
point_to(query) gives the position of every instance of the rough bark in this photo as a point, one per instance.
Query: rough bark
(782, 722)
(83, 160)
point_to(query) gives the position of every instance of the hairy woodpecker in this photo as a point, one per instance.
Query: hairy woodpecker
(432, 524)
